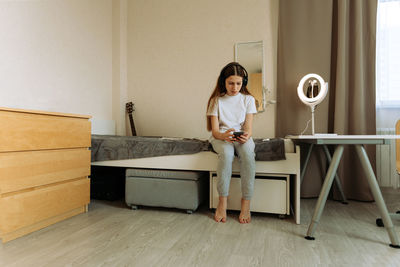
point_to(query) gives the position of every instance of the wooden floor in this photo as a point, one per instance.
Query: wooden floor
(110, 234)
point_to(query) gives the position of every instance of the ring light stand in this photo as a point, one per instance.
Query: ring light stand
(316, 92)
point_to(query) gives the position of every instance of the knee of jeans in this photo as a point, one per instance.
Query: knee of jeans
(226, 154)
(247, 157)
(226, 157)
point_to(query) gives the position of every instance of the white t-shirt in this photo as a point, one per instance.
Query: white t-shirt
(231, 111)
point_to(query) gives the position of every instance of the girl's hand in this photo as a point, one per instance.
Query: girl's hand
(228, 136)
(243, 138)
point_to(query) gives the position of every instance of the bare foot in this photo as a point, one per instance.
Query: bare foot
(245, 216)
(220, 212)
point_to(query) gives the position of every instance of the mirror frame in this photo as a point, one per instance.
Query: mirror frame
(237, 57)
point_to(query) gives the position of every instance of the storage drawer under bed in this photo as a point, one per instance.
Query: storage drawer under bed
(165, 188)
(271, 193)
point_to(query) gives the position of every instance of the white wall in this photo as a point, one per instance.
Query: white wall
(92, 56)
(176, 49)
(57, 56)
(119, 61)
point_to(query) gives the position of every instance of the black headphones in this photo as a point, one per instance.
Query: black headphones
(221, 80)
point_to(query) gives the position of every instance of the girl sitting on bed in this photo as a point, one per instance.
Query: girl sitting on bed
(230, 112)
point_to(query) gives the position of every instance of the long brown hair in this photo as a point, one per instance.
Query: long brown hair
(232, 68)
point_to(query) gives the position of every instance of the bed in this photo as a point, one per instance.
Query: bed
(274, 158)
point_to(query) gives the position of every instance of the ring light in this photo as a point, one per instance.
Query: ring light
(316, 92)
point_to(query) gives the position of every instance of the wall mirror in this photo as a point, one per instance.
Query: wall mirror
(251, 56)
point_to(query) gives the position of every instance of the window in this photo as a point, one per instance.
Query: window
(388, 54)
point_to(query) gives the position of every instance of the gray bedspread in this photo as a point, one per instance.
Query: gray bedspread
(112, 147)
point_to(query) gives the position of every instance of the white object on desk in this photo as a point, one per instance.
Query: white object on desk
(311, 98)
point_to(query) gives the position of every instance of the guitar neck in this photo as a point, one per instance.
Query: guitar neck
(129, 110)
(132, 124)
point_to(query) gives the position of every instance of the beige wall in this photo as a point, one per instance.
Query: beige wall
(93, 56)
(56, 55)
(119, 62)
(176, 49)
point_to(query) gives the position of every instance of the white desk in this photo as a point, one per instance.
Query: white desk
(358, 141)
(329, 159)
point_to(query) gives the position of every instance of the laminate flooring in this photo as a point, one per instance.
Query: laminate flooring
(111, 234)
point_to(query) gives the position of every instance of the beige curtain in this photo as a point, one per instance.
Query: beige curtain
(335, 39)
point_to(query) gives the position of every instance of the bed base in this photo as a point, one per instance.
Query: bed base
(207, 161)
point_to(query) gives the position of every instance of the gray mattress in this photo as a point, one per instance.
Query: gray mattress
(113, 147)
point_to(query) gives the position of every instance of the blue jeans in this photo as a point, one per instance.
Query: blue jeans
(226, 153)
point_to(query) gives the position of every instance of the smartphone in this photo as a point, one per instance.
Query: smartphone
(237, 134)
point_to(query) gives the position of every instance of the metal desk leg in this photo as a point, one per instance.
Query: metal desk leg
(303, 170)
(337, 180)
(376, 192)
(323, 195)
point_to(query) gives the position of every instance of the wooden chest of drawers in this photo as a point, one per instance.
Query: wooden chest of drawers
(44, 168)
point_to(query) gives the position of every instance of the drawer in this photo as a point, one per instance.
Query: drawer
(30, 207)
(271, 194)
(161, 192)
(21, 170)
(22, 131)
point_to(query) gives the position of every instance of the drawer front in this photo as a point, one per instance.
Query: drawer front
(25, 131)
(30, 207)
(22, 170)
(270, 195)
